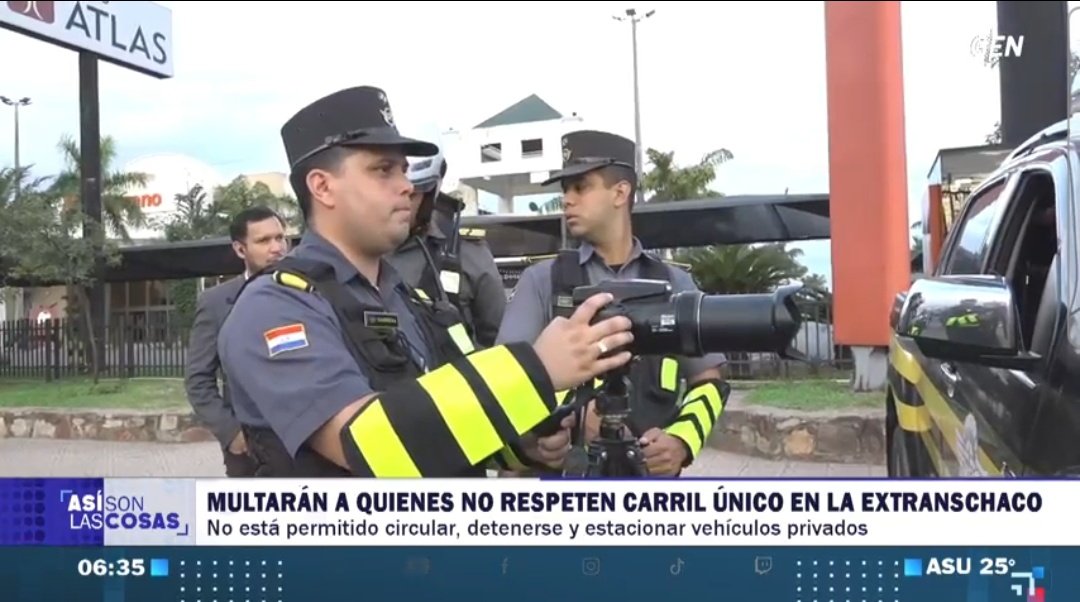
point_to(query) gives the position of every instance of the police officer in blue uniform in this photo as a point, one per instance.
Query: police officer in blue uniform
(337, 368)
(676, 401)
(447, 261)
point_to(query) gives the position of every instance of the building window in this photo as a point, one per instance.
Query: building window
(532, 148)
(490, 153)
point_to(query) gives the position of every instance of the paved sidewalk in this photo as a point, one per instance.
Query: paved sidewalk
(75, 458)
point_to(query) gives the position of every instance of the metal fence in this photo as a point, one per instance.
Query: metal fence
(822, 357)
(154, 346)
(54, 349)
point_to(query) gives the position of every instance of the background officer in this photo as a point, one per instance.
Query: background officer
(336, 367)
(599, 186)
(447, 261)
(258, 239)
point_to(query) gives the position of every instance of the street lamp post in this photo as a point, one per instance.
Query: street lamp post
(634, 18)
(12, 102)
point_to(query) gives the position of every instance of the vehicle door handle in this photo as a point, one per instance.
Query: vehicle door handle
(950, 373)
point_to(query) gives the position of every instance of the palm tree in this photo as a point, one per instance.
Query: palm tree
(739, 269)
(17, 183)
(195, 217)
(241, 194)
(119, 210)
(667, 182)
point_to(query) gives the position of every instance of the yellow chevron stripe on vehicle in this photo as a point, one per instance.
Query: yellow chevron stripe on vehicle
(915, 419)
(940, 412)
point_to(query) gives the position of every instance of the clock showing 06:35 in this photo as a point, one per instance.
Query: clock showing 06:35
(121, 567)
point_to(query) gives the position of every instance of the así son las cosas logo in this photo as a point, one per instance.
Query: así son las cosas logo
(100, 511)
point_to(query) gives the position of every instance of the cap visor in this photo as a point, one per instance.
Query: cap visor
(411, 146)
(570, 172)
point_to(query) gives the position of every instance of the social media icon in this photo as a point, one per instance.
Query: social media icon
(417, 566)
(676, 567)
(763, 565)
(590, 567)
(505, 565)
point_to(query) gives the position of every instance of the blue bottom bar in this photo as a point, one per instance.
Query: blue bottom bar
(539, 574)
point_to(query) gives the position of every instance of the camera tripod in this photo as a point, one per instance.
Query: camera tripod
(615, 452)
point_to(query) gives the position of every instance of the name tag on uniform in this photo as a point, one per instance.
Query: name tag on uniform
(564, 301)
(381, 320)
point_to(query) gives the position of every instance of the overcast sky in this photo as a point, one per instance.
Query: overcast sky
(747, 76)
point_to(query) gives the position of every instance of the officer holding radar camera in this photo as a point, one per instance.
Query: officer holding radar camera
(446, 261)
(599, 185)
(337, 368)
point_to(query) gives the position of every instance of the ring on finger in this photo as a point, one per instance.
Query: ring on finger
(603, 348)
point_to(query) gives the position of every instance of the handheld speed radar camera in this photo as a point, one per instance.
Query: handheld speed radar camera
(692, 324)
(689, 324)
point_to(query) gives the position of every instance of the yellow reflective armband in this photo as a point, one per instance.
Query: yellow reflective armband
(450, 419)
(704, 403)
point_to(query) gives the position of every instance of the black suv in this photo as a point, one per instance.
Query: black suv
(984, 362)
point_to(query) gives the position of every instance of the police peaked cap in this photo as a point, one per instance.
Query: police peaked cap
(353, 117)
(589, 150)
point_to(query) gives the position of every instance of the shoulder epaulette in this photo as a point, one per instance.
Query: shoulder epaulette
(293, 281)
(539, 258)
(472, 233)
(684, 266)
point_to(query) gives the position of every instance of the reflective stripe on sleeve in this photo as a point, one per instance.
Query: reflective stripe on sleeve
(687, 429)
(452, 418)
(464, 415)
(380, 445)
(512, 388)
(697, 417)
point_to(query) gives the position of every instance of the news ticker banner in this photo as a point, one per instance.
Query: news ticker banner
(526, 512)
(540, 574)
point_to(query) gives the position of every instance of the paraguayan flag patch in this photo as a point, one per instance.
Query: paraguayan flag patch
(285, 338)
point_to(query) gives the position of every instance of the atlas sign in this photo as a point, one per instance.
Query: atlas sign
(132, 34)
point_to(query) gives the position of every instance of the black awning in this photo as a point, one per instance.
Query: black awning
(717, 221)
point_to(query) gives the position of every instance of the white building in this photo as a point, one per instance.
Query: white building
(509, 154)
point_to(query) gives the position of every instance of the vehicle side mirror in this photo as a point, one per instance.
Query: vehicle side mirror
(964, 319)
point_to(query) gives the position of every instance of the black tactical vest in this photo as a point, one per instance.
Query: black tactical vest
(371, 337)
(656, 380)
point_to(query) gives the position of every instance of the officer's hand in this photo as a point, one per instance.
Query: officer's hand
(664, 453)
(592, 422)
(238, 446)
(550, 450)
(571, 348)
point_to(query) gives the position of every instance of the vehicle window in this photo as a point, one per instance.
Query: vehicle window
(970, 245)
(1028, 250)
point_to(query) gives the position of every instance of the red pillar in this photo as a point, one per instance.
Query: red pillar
(867, 168)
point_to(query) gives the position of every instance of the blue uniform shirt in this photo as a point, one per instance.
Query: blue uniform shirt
(529, 309)
(283, 350)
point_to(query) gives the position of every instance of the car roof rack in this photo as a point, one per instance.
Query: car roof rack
(1055, 132)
